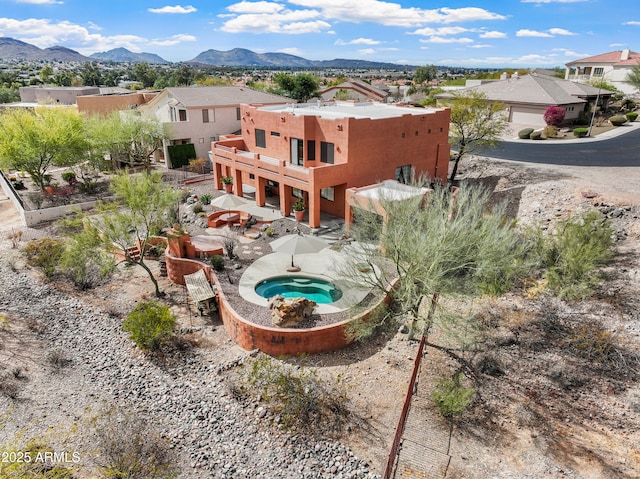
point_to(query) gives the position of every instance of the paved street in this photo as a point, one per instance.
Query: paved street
(617, 148)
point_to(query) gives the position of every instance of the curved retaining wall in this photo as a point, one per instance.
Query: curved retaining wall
(271, 340)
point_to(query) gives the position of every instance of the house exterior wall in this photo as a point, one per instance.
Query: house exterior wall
(366, 150)
(101, 104)
(61, 95)
(533, 116)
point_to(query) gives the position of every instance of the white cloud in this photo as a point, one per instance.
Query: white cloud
(255, 7)
(176, 9)
(285, 21)
(447, 40)
(358, 41)
(427, 31)
(493, 34)
(367, 51)
(632, 22)
(532, 33)
(560, 31)
(292, 51)
(480, 45)
(174, 40)
(256, 17)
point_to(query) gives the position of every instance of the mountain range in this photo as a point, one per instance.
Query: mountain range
(12, 49)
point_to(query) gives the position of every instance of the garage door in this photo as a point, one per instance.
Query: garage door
(527, 116)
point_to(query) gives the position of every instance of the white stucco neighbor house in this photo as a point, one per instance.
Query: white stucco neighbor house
(527, 97)
(199, 115)
(612, 67)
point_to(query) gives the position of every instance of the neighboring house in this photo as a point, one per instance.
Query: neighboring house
(58, 95)
(199, 115)
(316, 151)
(353, 90)
(107, 102)
(612, 68)
(527, 97)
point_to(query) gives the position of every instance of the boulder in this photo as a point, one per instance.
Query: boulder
(286, 313)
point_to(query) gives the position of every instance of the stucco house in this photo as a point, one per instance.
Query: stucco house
(199, 115)
(316, 151)
(612, 67)
(527, 97)
(354, 90)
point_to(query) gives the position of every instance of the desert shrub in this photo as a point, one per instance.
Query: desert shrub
(451, 397)
(554, 115)
(628, 103)
(58, 359)
(618, 120)
(525, 133)
(550, 131)
(298, 395)
(69, 176)
(536, 135)
(197, 208)
(9, 385)
(575, 250)
(580, 132)
(183, 195)
(217, 262)
(270, 231)
(149, 324)
(632, 115)
(128, 446)
(45, 253)
(205, 199)
(591, 341)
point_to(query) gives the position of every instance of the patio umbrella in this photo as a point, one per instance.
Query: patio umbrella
(298, 244)
(228, 201)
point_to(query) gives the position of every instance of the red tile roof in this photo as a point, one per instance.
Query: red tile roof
(613, 58)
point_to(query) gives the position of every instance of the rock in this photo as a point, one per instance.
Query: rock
(286, 313)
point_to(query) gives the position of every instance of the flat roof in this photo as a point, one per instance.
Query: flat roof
(338, 109)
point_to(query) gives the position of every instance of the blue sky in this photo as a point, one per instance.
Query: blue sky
(470, 33)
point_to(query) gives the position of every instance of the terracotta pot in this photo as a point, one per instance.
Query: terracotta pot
(228, 187)
(299, 215)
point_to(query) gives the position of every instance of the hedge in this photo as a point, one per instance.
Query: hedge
(618, 120)
(632, 115)
(580, 132)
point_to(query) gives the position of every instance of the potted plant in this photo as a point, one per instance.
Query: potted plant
(298, 209)
(227, 181)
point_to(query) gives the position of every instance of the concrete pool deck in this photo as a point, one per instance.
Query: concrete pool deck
(324, 265)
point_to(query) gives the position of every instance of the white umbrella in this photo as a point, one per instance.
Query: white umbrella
(228, 201)
(298, 244)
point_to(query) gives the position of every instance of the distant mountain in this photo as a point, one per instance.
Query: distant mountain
(12, 49)
(246, 58)
(122, 55)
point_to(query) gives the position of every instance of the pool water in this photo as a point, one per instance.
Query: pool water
(315, 289)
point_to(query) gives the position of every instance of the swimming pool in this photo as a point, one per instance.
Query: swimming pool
(315, 289)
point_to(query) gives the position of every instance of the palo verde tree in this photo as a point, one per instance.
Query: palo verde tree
(633, 77)
(33, 141)
(138, 212)
(448, 245)
(476, 123)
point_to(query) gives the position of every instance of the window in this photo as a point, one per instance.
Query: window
(297, 152)
(261, 139)
(598, 71)
(275, 133)
(403, 174)
(311, 150)
(238, 114)
(182, 115)
(297, 192)
(326, 152)
(205, 116)
(327, 193)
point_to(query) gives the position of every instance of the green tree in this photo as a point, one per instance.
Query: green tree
(33, 141)
(300, 87)
(476, 123)
(149, 324)
(424, 74)
(451, 245)
(91, 74)
(143, 73)
(138, 212)
(46, 73)
(633, 77)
